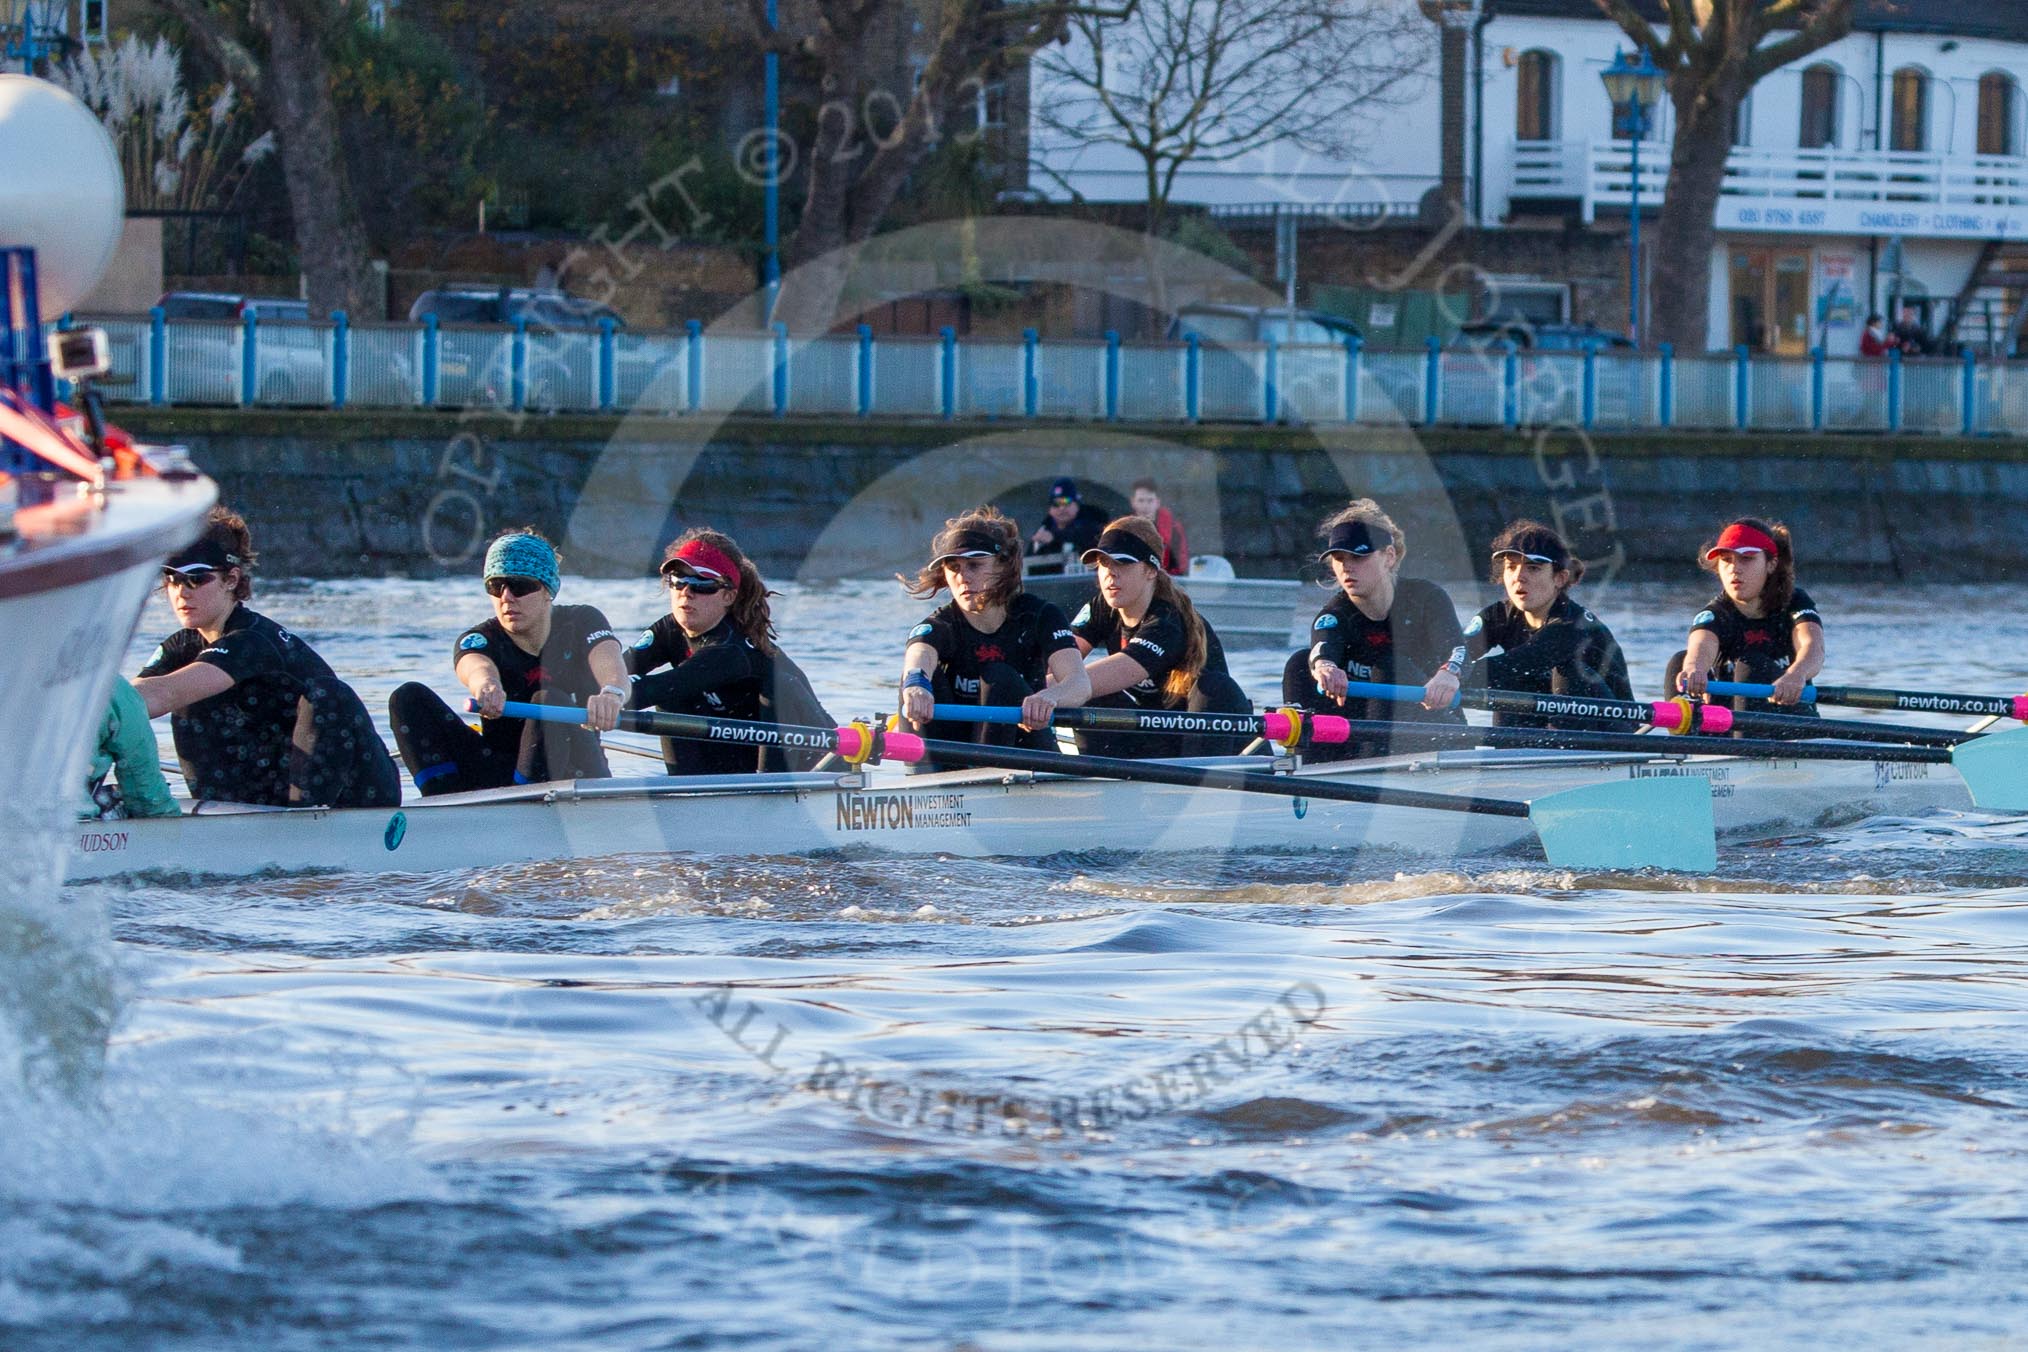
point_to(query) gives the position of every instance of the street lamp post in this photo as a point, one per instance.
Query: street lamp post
(1638, 84)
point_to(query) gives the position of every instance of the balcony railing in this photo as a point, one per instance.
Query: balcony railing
(1820, 191)
(699, 373)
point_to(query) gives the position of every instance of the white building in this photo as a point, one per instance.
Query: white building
(1891, 164)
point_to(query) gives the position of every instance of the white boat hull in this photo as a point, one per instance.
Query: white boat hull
(972, 813)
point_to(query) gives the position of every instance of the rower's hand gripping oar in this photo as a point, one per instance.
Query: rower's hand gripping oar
(1906, 701)
(1662, 823)
(1681, 715)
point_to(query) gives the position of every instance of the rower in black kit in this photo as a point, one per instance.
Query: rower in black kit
(1761, 628)
(1378, 627)
(991, 644)
(717, 644)
(1538, 639)
(258, 716)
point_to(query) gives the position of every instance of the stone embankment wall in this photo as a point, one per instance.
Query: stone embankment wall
(341, 494)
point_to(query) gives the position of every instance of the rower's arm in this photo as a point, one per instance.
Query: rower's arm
(481, 680)
(1069, 679)
(919, 664)
(182, 688)
(1113, 673)
(1699, 656)
(1809, 660)
(608, 663)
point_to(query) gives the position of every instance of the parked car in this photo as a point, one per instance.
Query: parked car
(476, 369)
(540, 307)
(1307, 390)
(1542, 337)
(203, 365)
(1258, 323)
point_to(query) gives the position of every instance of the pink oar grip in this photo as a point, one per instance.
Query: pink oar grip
(850, 743)
(2021, 707)
(1330, 729)
(1714, 718)
(1275, 727)
(1668, 716)
(905, 746)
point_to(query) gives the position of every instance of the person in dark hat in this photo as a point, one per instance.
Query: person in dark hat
(991, 644)
(532, 651)
(257, 715)
(1378, 628)
(1068, 528)
(1547, 643)
(1158, 653)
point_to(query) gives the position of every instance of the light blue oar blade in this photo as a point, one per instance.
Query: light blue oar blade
(1995, 769)
(1663, 822)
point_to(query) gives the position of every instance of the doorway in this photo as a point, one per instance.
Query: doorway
(1770, 291)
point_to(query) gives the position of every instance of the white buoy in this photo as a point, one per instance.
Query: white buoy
(61, 192)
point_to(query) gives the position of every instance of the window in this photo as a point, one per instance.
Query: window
(1535, 97)
(1909, 126)
(92, 21)
(1819, 130)
(1996, 114)
(991, 105)
(1742, 122)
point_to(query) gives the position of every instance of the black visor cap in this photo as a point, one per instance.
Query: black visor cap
(1123, 545)
(1356, 538)
(965, 543)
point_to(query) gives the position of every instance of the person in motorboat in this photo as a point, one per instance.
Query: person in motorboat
(258, 717)
(1760, 629)
(992, 643)
(1546, 642)
(1068, 529)
(714, 654)
(125, 750)
(1159, 652)
(531, 651)
(1147, 502)
(1378, 627)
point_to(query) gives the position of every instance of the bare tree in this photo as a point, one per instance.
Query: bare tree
(871, 135)
(1714, 52)
(279, 51)
(1186, 84)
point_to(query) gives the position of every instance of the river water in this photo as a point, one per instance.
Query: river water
(1094, 1099)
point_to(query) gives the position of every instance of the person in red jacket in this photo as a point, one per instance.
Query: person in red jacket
(1147, 501)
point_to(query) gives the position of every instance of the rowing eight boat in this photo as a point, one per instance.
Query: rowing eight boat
(981, 813)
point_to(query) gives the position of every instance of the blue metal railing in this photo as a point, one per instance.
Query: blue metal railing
(361, 366)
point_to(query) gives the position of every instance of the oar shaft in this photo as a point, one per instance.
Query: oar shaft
(1678, 716)
(1907, 701)
(1275, 725)
(854, 742)
(903, 746)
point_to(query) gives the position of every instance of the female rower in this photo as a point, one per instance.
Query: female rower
(991, 643)
(257, 715)
(1160, 654)
(718, 643)
(1380, 627)
(1761, 628)
(532, 651)
(1548, 643)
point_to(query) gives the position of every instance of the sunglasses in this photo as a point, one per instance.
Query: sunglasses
(515, 586)
(189, 579)
(703, 586)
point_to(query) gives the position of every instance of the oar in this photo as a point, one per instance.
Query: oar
(1328, 729)
(1660, 823)
(1908, 701)
(1994, 769)
(1677, 715)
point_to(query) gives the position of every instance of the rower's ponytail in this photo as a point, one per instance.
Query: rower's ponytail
(1182, 677)
(749, 611)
